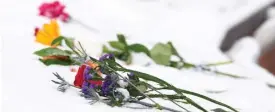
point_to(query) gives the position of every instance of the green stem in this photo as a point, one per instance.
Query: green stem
(75, 52)
(229, 75)
(207, 98)
(190, 65)
(79, 50)
(153, 88)
(134, 86)
(83, 50)
(203, 97)
(172, 97)
(219, 63)
(160, 81)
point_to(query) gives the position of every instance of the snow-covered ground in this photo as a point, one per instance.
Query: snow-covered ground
(195, 27)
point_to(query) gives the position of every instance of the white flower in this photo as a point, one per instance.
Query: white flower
(124, 92)
(122, 83)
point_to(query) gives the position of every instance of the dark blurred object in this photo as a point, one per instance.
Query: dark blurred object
(244, 28)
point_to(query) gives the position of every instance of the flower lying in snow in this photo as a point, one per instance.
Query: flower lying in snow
(47, 33)
(54, 10)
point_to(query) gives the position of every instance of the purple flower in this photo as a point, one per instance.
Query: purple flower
(85, 87)
(107, 85)
(131, 74)
(86, 73)
(106, 56)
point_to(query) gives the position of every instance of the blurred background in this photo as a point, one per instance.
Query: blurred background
(203, 31)
(241, 29)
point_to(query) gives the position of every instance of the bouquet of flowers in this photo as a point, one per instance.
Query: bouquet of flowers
(105, 80)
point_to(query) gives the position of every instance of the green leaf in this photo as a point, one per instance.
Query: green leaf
(117, 45)
(161, 54)
(188, 65)
(69, 42)
(142, 87)
(124, 56)
(173, 64)
(129, 59)
(69, 52)
(174, 51)
(105, 49)
(139, 48)
(121, 38)
(56, 62)
(57, 41)
(51, 52)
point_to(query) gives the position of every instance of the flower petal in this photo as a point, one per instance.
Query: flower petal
(43, 38)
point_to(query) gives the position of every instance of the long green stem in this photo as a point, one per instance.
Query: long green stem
(203, 97)
(153, 88)
(190, 65)
(229, 75)
(207, 98)
(160, 81)
(219, 63)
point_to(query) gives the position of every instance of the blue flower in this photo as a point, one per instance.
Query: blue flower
(107, 85)
(85, 87)
(86, 73)
(106, 56)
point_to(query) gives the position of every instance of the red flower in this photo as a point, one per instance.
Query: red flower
(54, 10)
(79, 78)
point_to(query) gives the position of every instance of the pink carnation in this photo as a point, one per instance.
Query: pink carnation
(54, 10)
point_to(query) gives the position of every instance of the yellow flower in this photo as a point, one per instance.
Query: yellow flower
(48, 33)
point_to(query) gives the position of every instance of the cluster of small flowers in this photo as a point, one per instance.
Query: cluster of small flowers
(84, 79)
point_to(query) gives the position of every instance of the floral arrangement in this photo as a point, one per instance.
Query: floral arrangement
(105, 80)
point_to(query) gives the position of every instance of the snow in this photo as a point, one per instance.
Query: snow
(246, 50)
(195, 27)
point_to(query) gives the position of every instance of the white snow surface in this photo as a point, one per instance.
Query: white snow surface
(195, 27)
